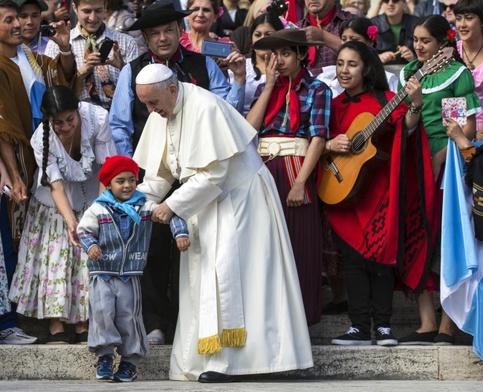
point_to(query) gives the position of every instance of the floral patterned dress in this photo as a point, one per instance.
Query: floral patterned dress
(51, 279)
(4, 302)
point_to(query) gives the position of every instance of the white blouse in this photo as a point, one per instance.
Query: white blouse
(80, 177)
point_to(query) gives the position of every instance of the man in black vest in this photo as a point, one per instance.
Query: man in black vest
(161, 25)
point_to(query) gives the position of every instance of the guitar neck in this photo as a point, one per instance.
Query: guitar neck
(388, 109)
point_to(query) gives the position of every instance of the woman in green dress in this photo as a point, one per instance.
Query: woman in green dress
(452, 80)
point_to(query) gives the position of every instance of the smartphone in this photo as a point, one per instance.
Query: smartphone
(105, 49)
(216, 49)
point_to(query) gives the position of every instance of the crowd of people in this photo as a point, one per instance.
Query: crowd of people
(148, 189)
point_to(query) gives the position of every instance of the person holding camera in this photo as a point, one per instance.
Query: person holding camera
(99, 75)
(34, 34)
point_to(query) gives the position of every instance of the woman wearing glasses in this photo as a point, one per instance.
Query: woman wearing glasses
(469, 23)
(395, 41)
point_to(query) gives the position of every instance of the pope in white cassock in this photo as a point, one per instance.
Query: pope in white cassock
(241, 310)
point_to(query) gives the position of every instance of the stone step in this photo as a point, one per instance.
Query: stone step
(74, 362)
(405, 320)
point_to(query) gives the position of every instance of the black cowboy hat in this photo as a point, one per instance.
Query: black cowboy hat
(283, 38)
(157, 14)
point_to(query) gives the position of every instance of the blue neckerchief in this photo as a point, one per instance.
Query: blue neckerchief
(137, 199)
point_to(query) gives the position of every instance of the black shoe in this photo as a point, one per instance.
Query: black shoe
(443, 339)
(419, 339)
(58, 338)
(333, 308)
(81, 338)
(214, 377)
(384, 337)
(353, 337)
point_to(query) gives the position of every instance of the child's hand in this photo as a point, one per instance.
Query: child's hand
(95, 252)
(183, 243)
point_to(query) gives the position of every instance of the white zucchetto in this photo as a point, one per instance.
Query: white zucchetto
(153, 73)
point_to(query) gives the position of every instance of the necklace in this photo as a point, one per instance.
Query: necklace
(470, 62)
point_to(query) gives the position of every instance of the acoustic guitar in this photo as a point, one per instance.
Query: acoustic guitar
(346, 176)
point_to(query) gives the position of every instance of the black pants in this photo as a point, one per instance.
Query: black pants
(370, 290)
(160, 281)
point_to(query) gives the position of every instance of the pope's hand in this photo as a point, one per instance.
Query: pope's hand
(162, 214)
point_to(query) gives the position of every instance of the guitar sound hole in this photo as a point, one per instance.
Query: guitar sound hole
(358, 143)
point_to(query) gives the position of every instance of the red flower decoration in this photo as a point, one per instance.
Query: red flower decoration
(451, 34)
(372, 33)
(220, 12)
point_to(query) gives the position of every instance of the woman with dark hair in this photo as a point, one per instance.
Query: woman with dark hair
(291, 112)
(469, 24)
(51, 278)
(263, 26)
(356, 29)
(431, 34)
(368, 233)
(201, 20)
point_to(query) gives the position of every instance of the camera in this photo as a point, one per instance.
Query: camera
(47, 31)
(277, 7)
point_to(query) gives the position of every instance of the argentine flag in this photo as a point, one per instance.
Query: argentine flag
(461, 253)
(33, 81)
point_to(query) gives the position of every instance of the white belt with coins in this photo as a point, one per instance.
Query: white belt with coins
(282, 146)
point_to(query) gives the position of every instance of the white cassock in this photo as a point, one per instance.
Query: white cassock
(241, 311)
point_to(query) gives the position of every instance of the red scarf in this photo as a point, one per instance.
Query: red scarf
(280, 96)
(173, 64)
(168, 62)
(321, 23)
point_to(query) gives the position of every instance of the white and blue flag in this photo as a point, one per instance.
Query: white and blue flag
(461, 253)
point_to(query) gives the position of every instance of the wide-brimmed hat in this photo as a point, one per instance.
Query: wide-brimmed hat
(42, 5)
(157, 14)
(286, 37)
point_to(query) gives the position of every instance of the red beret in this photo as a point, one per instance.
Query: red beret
(115, 165)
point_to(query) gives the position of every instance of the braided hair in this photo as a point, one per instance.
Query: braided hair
(274, 21)
(56, 100)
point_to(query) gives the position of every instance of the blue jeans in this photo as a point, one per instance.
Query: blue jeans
(8, 320)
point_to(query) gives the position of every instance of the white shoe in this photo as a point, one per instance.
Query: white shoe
(16, 336)
(156, 337)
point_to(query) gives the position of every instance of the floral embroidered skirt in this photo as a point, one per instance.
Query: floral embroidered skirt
(4, 302)
(51, 279)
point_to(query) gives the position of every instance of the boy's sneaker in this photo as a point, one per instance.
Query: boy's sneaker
(125, 372)
(16, 336)
(353, 337)
(384, 337)
(104, 367)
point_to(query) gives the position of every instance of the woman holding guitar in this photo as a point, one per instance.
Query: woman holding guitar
(367, 228)
(453, 80)
(291, 112)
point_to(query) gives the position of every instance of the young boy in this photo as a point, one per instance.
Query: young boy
(115, 233)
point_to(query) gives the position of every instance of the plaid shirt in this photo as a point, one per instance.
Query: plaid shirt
(326, 56)
(127, 47)
(314, 104)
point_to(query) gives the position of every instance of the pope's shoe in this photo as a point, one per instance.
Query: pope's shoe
(214, 377)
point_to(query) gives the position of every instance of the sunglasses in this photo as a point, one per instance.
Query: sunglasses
(451, 6)
(393, 1)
